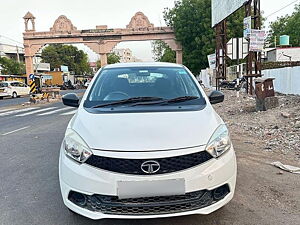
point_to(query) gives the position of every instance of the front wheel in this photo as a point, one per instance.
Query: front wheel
(15, 95)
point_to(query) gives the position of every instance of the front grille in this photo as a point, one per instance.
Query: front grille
(151, 205)
(133, 166)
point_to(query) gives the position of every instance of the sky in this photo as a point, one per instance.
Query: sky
(89, 13)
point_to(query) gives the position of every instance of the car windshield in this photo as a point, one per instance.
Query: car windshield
(136, 84)
(3, 84)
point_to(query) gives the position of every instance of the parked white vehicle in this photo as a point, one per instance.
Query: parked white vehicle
(146, 143)
(13, 89)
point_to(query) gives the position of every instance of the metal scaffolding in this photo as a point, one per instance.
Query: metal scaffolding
(221, 52)
(252, 8)
(253, 69)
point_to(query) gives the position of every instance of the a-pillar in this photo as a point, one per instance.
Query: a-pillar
(179, 57)
(29, 66)
(103, 59)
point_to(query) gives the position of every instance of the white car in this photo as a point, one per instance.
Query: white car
(13, 89)
(146, 143)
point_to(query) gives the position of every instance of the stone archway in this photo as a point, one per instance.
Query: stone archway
(101, 40)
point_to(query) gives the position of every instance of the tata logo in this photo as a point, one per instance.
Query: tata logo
(150, 167)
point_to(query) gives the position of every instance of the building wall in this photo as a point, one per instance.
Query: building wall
(272, 56)
(57, 78)
(207, 77)
(12, 52)
(284, 55)
(126, 55)
(286, 79)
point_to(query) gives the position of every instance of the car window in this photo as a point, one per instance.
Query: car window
(159, 82)
(3, 84)
(14, 84)
(21, 85)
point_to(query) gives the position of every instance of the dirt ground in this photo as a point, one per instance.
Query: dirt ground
(264, 193)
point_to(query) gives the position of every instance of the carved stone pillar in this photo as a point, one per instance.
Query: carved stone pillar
(175, 46)
(103, 59)
(179, 57)
(29, 66)
(30, 51)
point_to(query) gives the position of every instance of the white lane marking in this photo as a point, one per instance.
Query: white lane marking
(37, 111)
(5, 110)
(69, 113)
(17, 111)
(54, 111)
(14, 131)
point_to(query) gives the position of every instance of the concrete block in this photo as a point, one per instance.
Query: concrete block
(267, 103)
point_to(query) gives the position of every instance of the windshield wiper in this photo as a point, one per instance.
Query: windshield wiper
(167, 101)
(182, 99)
(130, 100)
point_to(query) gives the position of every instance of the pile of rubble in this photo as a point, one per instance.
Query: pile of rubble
(40, 99)
(278, 129)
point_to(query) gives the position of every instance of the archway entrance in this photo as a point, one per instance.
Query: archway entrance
(101, 40)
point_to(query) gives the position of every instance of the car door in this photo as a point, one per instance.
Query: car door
(23, 88)
(26, 89)
(20, 88)
(15, 88)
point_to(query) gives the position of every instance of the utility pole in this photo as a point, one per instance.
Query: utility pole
(238, 57)
(0, 51)
(18, 55)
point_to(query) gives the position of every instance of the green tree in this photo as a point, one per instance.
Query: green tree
(162, 52)
(112, 58)
(10, 66)
(191, 20)
(68, 55)
(286, 25)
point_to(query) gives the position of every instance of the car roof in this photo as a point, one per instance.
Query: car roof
(142, 64)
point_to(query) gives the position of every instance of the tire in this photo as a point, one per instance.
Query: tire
(14, 95)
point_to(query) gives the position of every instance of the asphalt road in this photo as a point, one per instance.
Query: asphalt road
(17, 101)
(29, 186)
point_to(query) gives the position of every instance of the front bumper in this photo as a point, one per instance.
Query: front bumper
(91, 181)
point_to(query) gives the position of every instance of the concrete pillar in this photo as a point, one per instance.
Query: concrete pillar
(29, 66)
(103, 59)
(179, 57)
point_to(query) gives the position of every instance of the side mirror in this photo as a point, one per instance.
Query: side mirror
(71, 100)
(216, 97)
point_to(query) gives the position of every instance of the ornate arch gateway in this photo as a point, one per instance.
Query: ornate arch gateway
(101, 40)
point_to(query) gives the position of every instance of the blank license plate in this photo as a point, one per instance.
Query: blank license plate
(139, 189)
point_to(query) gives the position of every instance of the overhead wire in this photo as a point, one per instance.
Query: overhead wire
(282, 8)
(11, 40)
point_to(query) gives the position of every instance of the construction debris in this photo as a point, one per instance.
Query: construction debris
(288, 168)
(278, 128)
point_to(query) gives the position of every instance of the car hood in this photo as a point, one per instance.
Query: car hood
(146, 131)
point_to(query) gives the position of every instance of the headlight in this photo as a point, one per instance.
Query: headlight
(75, 147)
(220, 142)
